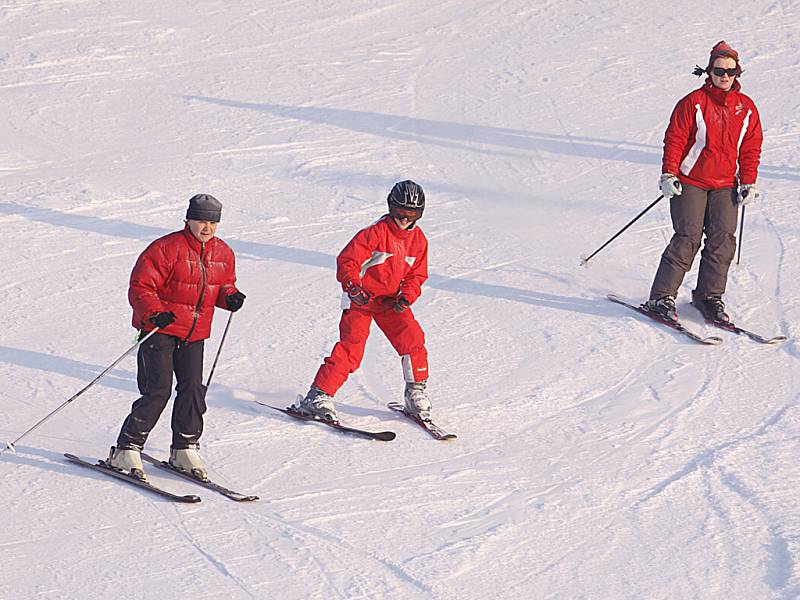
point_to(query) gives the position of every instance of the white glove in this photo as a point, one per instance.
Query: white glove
(670, 185)
(747, 192)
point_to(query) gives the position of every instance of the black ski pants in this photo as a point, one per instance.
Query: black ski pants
(158, 357)
(695, 212)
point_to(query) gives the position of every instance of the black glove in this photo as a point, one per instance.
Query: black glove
(357, 294)
(235, 301)
(400, 304)
(162, 319)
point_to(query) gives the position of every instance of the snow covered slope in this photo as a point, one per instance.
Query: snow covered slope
(599, 455)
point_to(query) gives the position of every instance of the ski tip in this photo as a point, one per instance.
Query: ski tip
(712, 340)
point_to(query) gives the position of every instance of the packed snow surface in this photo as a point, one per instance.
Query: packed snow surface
(599, 455)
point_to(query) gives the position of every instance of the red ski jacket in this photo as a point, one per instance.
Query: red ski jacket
(386, 261)
(178, 273)
(710, 130)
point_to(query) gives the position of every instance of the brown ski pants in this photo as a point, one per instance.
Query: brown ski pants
(695, 212)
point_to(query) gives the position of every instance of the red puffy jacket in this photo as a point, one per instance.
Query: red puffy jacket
(178, 273)
(710, 130)
(386, 260)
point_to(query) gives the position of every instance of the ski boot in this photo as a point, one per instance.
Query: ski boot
(712, 307)
(663, 307)
(416, 400)
(316, 404)
(188, 460)
(127, 460)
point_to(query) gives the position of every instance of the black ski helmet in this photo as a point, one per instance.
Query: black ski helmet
(407, 194)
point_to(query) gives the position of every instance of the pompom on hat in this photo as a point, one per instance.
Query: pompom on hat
(722, 49)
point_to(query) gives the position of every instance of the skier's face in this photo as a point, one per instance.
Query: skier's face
(202, 230)
(724, 81)
(405, 218)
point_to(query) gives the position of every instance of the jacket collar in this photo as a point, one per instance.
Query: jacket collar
(194, 243)
(720, 96)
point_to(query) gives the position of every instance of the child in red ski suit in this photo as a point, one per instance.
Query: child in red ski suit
(381, 270)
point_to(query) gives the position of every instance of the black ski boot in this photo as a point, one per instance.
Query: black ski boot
(712, 307)
(663, 307)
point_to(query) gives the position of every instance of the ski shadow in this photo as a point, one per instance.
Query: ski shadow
(355, 410)
(30, 456)
(474, 138)
(56, 462)
(279, 401)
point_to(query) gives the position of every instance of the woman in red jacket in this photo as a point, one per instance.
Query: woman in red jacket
(175, 285)
(712, 147)
(381, 270)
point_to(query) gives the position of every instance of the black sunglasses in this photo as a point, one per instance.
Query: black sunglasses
(719, 72)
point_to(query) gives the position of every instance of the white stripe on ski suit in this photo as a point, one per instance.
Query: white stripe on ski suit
(408, 368)
(744, 129)
(377, 258)
(699, 142)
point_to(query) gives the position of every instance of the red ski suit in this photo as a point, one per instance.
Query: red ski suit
(178, 273)
(386, 261)
(710, 130)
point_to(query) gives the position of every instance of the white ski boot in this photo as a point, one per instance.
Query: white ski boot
(417, 402)
(128, 461)
(663, 307)
(188, 460)
(316, 404)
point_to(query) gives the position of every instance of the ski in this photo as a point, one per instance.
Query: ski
(429, 426)
(102, 467)
(383, 436)
(677, 326)
(728, 326)
(210, 485)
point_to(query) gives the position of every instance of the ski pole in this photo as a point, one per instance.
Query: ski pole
(741, 229)
(216, 358)
(616, 235)
(10, 445)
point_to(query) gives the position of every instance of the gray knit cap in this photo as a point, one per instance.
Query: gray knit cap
(204, 207)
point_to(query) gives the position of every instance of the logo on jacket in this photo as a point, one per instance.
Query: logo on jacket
(739, 108)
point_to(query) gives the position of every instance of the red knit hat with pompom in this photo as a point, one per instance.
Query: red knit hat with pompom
(723, 50)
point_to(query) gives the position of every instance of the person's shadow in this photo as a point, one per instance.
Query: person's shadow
(263, 251)
(482, 139)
